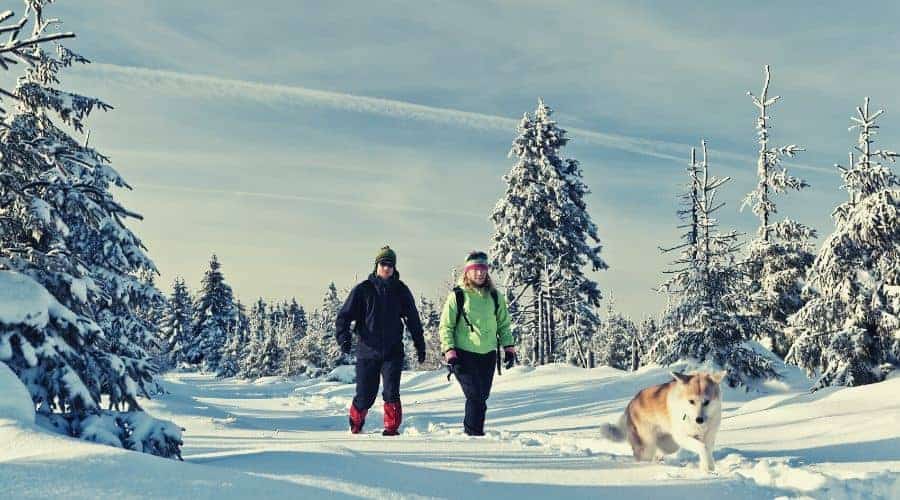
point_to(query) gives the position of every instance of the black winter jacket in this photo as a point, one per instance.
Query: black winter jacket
(378, 308)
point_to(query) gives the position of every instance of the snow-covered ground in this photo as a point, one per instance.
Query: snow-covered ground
(288, 438)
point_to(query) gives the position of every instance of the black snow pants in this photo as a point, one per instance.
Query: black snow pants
(368, 372)
(475, 373)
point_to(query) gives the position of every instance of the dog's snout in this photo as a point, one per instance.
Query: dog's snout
(699, 420)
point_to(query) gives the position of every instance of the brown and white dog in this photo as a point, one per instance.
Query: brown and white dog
(682, 413)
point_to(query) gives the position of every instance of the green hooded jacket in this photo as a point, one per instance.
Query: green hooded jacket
(479, 308)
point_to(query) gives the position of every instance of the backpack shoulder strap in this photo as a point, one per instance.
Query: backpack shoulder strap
(460, 302)
(496, 301)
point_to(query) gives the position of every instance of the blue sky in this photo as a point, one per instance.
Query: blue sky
(294, 139)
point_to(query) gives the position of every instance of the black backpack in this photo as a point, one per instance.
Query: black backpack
(460, 313)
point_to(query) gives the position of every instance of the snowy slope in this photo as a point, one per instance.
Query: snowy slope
(16, 407)
(289, 438)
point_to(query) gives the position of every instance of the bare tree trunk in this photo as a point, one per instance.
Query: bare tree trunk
(551, 331)
(539, 332)
(635, 352)
(548, 315)
(545, 341)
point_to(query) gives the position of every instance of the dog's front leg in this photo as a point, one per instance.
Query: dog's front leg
(709, 444)
(707, 462)
(700, 447)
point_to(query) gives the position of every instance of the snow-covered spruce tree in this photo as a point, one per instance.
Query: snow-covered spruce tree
(251, 362)
(62, 227)
(331, 304)
(409, 350)
(269, 354)
(581, 324)
(515, 328)
(235, 349)
(119, 269)
(429, 311)
(297, 316)
(299, 329)
(270, 350)
(647, 336)
(214, 317)
(320, 351)
(517, 217)
(96, 237)
(705, 320)
(312, 354)
(614, 341)
(276, 328)
(848, 333)
(151, 312)
(175, 325)
(543, 234)
(292, 329)
(777, 259)
(430, 316)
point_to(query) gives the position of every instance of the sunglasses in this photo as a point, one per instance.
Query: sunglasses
(385, 264)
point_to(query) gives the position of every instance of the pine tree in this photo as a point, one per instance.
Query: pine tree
(430, 317)
(430, 312)
(616, 339)
(543, 232)
(331, 304)
(68, 185)
(271, 354)
(151, 313)
(778, 258)
(647, 336)
(258, 321)
(214, 318)
(318, 350)
(292, 330)
(705, 320)
(581, 325)
(847, 332)
(298, 320)
(235, 349)
(175, 325)
(62, 231)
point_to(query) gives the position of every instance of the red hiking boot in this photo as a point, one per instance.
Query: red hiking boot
(393, 415)
(357, 419)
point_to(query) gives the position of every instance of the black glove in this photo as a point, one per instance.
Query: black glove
(345, 347)
(420, 355)
(452, 363)
(510, 359)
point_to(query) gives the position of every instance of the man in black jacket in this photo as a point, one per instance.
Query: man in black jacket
(379, 306)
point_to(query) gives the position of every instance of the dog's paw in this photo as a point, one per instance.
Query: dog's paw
(709, 468)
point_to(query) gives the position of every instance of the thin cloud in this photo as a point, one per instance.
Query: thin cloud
(315, 199)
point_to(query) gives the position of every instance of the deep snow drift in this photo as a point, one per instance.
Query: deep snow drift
(289, 438)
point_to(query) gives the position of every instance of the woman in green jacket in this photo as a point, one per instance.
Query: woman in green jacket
(472, 336)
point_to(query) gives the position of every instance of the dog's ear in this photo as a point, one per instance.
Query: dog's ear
(718, 377)
(681, 377)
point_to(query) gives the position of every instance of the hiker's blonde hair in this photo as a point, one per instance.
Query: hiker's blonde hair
(465, 282)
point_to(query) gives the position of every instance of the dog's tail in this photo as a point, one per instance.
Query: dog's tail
(614, 432)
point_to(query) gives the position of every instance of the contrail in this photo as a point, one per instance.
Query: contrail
(269, 93)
